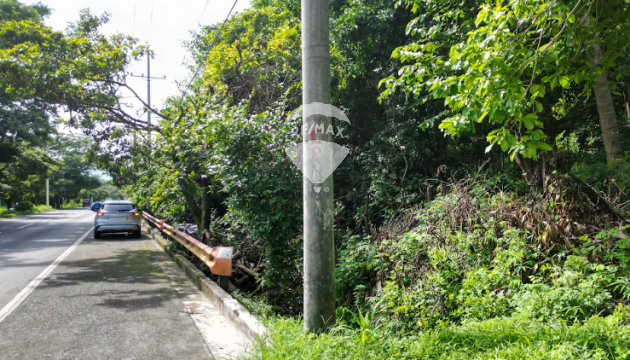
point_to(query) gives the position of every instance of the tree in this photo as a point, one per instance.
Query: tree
(13, 10)
(502, 62)
(74, 173)
(605, 106)
(24, 173)
(20, 119)
(103, 192)
(80, 71)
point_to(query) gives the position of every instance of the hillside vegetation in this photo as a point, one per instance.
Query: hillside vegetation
(481, 274)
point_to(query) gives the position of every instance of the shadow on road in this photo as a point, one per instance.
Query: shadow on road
(121, 271)
(18, 255)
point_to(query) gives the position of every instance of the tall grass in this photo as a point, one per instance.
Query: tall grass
(516, 337)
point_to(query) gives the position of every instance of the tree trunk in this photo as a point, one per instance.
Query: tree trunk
(206, 211)
(531, 171)
(191, 202)
(606, 108)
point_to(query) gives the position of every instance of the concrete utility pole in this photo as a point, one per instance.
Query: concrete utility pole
(148, 77)
(319, 243)
(47, 192)
(149, 91)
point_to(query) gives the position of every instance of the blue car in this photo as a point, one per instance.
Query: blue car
(96, 206)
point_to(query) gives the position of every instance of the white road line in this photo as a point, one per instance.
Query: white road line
(23, 226)
(19, 298)
(46, 220)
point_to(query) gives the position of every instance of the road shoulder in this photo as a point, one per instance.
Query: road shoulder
(110, 299)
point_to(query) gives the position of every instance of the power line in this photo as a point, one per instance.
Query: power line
(150, 36)
(148, 77)
(133, 33)
(202, 12)
(216, 37)
(151, 20)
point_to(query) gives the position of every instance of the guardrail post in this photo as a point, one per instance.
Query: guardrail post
(223, 282)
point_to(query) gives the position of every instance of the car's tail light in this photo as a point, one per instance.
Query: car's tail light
(136, 214)
(99, 214)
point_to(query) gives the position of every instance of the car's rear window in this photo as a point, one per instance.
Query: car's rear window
(118, 207)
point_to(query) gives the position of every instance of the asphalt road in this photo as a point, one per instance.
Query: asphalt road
(29, 244)
(103, 299)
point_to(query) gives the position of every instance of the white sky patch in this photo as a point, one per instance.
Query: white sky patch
(162, 24)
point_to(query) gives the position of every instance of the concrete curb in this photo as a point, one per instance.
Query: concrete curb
(229, 307)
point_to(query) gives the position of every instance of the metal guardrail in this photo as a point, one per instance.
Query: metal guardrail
(218, 259)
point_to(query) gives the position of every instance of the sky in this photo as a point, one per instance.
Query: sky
(162, 24)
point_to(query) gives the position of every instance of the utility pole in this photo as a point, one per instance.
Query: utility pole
(148, 77)
(319, 244)
(47, 192)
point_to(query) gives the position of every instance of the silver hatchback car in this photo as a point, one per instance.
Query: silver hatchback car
(117, 216)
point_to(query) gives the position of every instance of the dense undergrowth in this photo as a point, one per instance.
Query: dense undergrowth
(480, 273)
(476, 254)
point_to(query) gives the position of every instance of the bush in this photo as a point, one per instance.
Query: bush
(476, 255)
(612, 181)
(576, 291)
(24, 206)
(43, 208)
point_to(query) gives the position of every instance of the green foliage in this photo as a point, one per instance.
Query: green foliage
(353, 269)
(4, 213)
(78, 71)
(470, 258)
(105, 191)
(611, 180)
(13, 10)
(24, 206)
(44, 71)
(479, 272)
(506, 64)
(256, 306)
(264, 193)
(23, 177)
(515, 337)
(620, 252)
(232, 131)
(23, 173)
(576, 291)
(74, 173)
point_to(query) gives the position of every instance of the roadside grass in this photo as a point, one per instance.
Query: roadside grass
(4, 213)
(515, 337)
(71, 205)
(256, 306)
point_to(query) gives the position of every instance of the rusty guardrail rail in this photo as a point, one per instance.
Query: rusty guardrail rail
(218, 259)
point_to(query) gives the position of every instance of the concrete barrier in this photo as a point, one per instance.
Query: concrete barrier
(229, 307)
